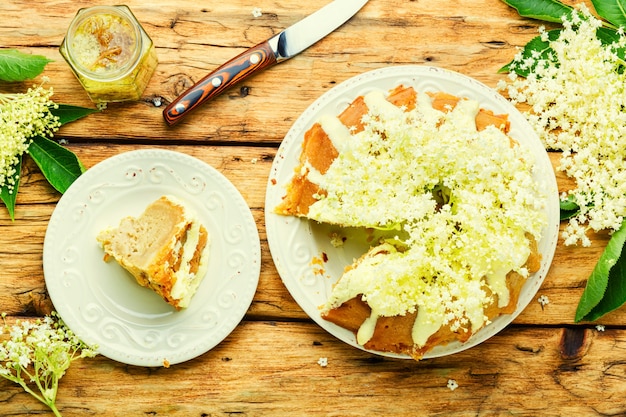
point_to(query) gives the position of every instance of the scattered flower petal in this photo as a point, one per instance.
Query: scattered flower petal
(452, 384)
(543, 300)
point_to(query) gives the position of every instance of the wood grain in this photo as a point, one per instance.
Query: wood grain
(271, 368)
(544, 364)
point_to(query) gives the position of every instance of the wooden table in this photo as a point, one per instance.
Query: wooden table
(542, 364)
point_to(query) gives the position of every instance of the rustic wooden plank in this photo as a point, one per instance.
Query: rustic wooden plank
(191, 41)
(271, 369)
(541, 365)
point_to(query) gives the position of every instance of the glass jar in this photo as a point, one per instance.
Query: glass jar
(110, 53)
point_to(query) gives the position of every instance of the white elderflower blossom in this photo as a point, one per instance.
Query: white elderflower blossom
(22, 117)
(578, 102)
(452, 384)
(39, 353)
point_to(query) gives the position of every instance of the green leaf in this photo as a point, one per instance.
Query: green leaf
(613, 11)
(67, 113)
(18, 66)
(615, 294)
(548, 10)
(60, 166)
(605, 289)
(9, 198)
(534, 51)
(569, 208)
(610, 37)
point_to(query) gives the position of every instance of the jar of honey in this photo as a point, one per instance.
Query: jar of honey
(110, 53)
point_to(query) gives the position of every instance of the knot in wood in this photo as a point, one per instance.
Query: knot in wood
(574, 343)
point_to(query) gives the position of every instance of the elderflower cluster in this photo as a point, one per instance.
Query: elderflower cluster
(22, 117)
(577, 99)
(39, 353)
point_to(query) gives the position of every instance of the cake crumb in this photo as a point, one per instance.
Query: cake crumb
(166, 363)
(256, 12)
(254, 160)
(452, 384)
(323, 362)
(337, 240)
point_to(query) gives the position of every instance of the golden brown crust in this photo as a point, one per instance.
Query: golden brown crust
(394, 334)
(391, 334)
(349, 315)
(318, 149)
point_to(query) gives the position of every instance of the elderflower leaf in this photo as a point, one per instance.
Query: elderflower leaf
(569, 208)
(67, 113)
(611, 37)
(606, 287)
(547, 10)
(536, 51)
(18, 66)
(60, 166)
(612, 11)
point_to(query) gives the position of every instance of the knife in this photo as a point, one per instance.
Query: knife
(284, 45)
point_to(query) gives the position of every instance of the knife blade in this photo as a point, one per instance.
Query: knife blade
(280, 47)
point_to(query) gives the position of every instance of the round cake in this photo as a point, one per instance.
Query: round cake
(456, 197)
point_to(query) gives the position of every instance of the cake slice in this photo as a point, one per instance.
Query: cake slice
(166, 249)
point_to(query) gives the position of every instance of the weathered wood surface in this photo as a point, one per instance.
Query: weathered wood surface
(544, 364)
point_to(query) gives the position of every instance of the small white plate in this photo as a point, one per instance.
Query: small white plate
(297, 245)
(103, 304)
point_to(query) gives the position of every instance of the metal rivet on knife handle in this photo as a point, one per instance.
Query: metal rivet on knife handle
(242, 66)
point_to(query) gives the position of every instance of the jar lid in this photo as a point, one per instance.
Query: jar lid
(104, 42)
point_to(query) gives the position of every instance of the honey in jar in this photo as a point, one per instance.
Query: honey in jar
(110, 53)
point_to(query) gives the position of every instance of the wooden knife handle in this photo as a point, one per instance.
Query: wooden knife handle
(242, 66)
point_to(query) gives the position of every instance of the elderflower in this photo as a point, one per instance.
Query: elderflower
(452, 384)
(22, 117)
(38, 353)
(577, 99)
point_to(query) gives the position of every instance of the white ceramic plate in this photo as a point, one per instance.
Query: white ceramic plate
(296, 244)
(102, 303)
